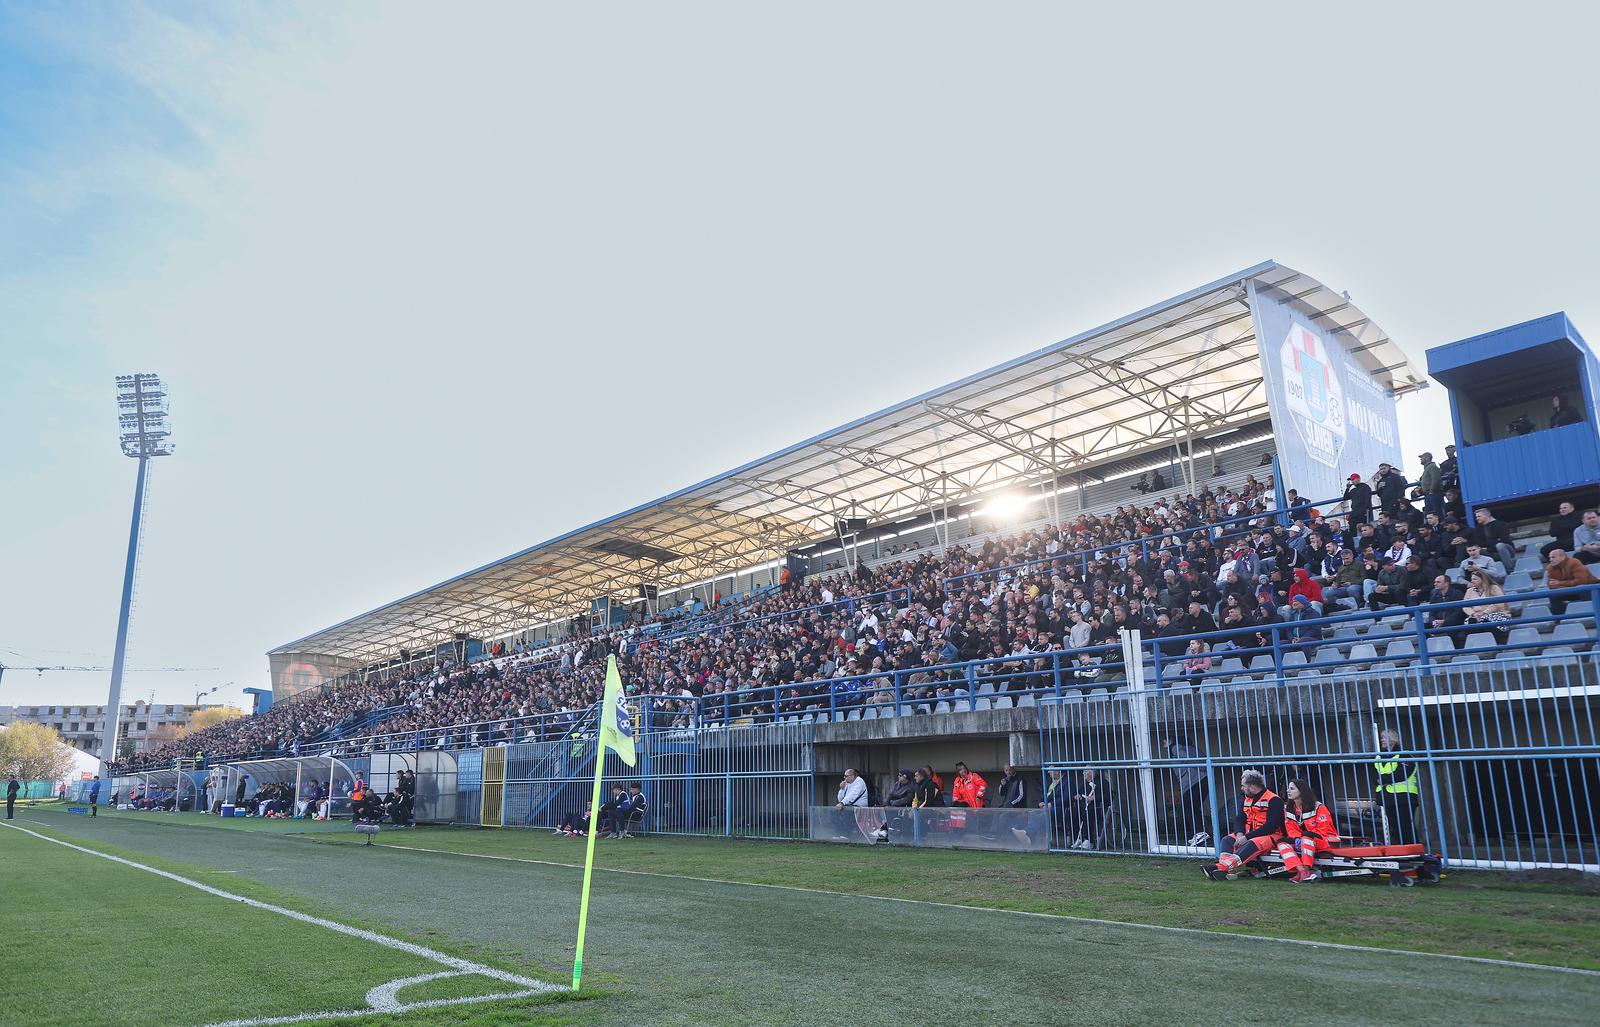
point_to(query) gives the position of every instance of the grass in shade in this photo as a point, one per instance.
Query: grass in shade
(664, 949)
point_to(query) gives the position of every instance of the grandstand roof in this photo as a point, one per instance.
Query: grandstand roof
(1188, 366)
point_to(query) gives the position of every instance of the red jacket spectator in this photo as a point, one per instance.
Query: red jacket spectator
(970, 789)
(1304, 586)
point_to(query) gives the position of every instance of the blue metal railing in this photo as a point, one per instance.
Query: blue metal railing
(976, 684)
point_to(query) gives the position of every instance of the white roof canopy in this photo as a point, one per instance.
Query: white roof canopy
(1187, 367)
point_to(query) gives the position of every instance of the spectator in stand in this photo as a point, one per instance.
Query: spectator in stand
(1387, 586)
(969, 789)
(1358, 495)
(926, 791)
(1348, 583)
(1013, 790)
(902, 791)
(1389, 485)
(852, 791)
(1561, 414)
(1429, 489)
(1561, 528)
(1586, 539)
(1308, 590)
(1478, 560)
(1446, 591)
(1197, 662)
(1492, 616)
(1566, 572)
(1494, 536)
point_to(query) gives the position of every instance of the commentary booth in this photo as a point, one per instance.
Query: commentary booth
(336, 776)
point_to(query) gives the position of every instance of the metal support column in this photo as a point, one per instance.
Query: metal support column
(1139, 722)
(108, 746)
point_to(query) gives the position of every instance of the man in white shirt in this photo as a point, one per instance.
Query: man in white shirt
(852, 791)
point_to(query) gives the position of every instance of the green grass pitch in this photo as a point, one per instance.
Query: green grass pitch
(681, 932)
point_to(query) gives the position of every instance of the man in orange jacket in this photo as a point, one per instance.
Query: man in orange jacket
(969, 790)
(1257, 826)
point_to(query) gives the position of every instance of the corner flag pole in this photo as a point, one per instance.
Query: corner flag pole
(615, 732)
(588, 859)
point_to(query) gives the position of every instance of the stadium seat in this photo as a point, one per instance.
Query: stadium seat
(1231, 665)
(1363, 651)
(1399, 647)
(1524, 637)
(1263, 663)
(1569, 632)
(941, 707)
(1294, 658)
(1521, 581)
(1026, 700)
(983, 702)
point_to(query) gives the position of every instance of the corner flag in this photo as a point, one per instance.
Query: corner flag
(616, 734)
(616, 726)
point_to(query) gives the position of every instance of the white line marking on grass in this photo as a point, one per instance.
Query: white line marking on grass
(381, 999)
(1341, 946)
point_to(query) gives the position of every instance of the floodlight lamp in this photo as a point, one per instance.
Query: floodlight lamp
(142, 416)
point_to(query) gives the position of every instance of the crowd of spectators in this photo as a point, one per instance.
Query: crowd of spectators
(1159, 565)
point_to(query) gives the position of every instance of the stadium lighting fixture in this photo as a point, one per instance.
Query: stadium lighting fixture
(145, 433)
(1008, 506)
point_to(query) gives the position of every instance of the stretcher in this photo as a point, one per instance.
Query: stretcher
(1395, 861)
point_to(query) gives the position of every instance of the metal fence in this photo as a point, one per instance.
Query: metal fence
(1506, 755)
(750, 781)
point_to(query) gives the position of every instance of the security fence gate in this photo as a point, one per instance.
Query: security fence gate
(1504, 756)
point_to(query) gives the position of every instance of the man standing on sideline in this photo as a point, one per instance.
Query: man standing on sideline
(94, 797)
(12, 788)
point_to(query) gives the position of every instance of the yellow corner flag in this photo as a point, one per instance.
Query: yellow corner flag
(616, 734)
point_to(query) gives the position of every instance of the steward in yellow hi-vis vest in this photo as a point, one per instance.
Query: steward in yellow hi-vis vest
(1399, 790)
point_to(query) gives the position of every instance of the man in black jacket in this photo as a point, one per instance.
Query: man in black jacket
(12, 788)
(901, 791)
(1561, 525)
(1390, 486)
(1358, 494)
(1012, 792)
(1495, 537)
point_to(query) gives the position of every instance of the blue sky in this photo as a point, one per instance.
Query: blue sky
(413, 272)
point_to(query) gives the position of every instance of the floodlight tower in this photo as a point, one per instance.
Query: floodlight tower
(142, 420)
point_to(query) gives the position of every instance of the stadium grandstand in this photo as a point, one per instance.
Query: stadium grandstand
(1156, 553)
